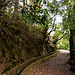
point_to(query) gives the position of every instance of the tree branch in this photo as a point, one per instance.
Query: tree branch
(4, 3)
(62, 37)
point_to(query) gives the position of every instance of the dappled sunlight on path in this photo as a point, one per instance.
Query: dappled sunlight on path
(54, 66)
(64, 51)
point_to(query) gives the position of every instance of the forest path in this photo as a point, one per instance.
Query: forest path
(54, 66)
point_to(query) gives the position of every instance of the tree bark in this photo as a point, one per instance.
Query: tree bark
(16, 6)
(72, 49)
(16, 9)
(72, 45)
(23, 3)
(72, 41)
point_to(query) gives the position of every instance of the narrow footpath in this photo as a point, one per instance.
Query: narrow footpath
(56, 65)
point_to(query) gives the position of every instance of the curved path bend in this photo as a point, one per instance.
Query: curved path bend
(54, 66)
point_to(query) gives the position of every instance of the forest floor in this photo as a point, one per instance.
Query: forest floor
(56, 65)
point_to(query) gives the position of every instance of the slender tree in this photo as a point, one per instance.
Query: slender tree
(72, 36)
(23, 3)
(16, 6)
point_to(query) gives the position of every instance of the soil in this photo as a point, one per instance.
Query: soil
(54, 66)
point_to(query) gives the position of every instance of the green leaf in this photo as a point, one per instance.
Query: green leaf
(34, 0)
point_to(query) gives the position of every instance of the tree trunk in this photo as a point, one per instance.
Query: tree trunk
(72, 45)
(23, 3)
(16, 9)
(72, 39)
(26, 1)
(72, 49)
(16, 6)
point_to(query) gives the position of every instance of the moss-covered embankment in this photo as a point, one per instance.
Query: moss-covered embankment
(36, 60)
(20, 42)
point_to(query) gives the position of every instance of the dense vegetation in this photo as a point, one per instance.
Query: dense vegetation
(25, 29)
(22, 35)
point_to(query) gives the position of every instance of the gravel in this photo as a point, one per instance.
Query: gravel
(56, 65)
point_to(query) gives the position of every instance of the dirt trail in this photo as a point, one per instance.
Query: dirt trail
(54, 66)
